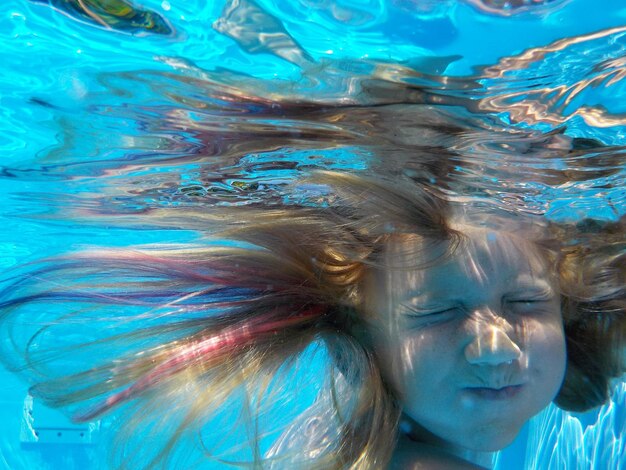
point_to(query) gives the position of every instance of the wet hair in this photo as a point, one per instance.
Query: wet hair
(171, 333)
(592, 277)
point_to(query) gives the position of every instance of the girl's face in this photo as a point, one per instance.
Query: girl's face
(474, 345)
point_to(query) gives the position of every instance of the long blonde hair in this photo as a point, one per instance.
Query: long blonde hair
(182, 328)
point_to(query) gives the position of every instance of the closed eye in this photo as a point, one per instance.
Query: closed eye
(429, 316)
(528, 304)
(421, 311)
(529, 299)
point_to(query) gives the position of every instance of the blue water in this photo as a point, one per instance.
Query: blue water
(116, 120)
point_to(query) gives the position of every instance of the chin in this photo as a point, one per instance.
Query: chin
(496, 446)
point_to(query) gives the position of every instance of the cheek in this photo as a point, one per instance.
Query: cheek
(547, 356)
(416, 362)
(559, 357)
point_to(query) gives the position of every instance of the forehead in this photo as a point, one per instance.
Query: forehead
(482, 257)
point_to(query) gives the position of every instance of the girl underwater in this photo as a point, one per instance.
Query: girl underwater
(444, 320)
(447, 325)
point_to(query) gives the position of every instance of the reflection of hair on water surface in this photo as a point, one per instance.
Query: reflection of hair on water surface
(430, 310)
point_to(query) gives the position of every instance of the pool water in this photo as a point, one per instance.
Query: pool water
(106, 117)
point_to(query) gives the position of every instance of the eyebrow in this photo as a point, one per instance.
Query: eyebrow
(545, 289)
(525, 282)
(521, 285)
(428, 302)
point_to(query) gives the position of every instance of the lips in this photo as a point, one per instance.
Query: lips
(489, 393)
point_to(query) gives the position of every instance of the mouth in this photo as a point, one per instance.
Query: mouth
(489, 393)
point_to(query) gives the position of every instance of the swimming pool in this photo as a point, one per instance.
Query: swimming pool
(105, 118)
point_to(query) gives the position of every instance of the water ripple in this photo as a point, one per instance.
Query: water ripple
(539, 131)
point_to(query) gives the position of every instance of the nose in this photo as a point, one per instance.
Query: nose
(491, 346)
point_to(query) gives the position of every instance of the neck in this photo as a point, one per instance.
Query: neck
(417, 433)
